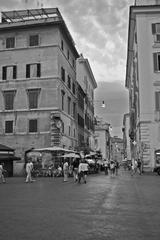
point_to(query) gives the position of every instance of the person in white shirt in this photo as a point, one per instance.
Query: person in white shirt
(1, 173)
(65, 170)
(29, 168)
(82, 171)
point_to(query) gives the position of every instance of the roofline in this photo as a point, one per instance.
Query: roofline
(85, 60)
(41, 22)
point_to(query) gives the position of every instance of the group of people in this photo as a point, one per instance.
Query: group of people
(79, 168)
(111, 166)
(136, 166)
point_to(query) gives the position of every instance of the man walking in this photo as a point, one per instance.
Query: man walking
(75, 166)
(65, 171)
(29, 168)
(82, 171)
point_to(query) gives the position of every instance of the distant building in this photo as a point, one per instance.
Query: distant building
(126, 138)
(102, 138)
(117, 148)
(143, 80)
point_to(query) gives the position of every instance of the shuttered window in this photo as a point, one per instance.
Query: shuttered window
(32, 125)
(33, 70)
(10, 42)
(9, 72)
(9, 99)
(157, 101)
(33, 98)
(9, 127)
(156, 62)
(34, 40)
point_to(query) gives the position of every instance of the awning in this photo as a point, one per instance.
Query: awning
(9, 158)
(5, 148)
(52, 149)
(70, 155)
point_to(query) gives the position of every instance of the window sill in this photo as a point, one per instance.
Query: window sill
(156, 45)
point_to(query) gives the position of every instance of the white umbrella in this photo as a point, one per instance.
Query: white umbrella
(71, 155)
(54, 148)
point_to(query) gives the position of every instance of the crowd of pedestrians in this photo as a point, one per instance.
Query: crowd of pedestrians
(78, 168)
(111, 167)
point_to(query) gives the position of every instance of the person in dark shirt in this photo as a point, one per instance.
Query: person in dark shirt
(75, 166)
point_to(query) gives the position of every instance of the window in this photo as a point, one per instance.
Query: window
(33, 70)
(34, 40)
(69, 130)
(62, 47)
(62, 99)
(10, 42)
(156, 62)
(63, 74)
(156, 31)
(9, 99)
(157, 101)
(8, 126)
(73, 88)
(32, 125)
(33, 98)
(68, 54)
(73, 63)
(74, 133)
(69, 105)
(74, 109)
(69, 82)
(9, 72)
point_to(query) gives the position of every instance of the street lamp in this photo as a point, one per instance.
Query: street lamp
(103, 105)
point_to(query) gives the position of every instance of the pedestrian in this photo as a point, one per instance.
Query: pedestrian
(2, 170)
(139, 166)
(29, 168)
(106, 167)
(116, 167)
(83, 171)
(134, 167)
(75, 166)
(65, 171)
(112, 168)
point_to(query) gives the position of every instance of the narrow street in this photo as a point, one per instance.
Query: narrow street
(120, 207)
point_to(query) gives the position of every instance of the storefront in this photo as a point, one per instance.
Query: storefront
(7, 156)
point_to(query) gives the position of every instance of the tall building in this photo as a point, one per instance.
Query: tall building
(103, 138)
(126, 139)
(87, 82)
(143, 80)
(38, 89)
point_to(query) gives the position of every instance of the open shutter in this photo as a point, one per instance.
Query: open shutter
(155, 63)
(4, 73)
(27, 71)
(14, 72)
(153, 28)
(38, 70)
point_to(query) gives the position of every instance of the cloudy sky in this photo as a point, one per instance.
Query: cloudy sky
(100, 30)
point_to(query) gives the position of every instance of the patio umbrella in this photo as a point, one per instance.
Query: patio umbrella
(70, 155)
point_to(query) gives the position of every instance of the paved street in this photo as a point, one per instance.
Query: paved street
(109, 208)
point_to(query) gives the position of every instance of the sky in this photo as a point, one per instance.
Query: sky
(100, 31)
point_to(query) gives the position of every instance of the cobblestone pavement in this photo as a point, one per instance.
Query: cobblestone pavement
(110, 208)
